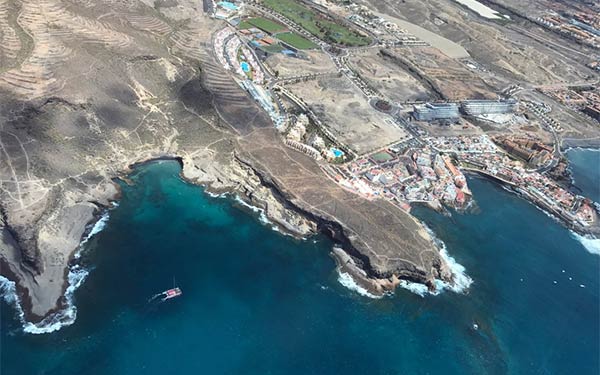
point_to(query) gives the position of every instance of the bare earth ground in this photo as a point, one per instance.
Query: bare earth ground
(449, 78)
(348, 115)
(505, 50)
(387, 78)
(318, 63)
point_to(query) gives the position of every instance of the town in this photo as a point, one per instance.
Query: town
(421, 150)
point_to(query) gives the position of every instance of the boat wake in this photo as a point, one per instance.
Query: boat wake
(154, 297)
(591, 244)
(75, 278)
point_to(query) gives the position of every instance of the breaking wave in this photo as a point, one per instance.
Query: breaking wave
(347, 281)
(75, 278)
(215, 195)
(591, 244)
(460, 280)
(53, 322)
(262, 217)
(416, 288)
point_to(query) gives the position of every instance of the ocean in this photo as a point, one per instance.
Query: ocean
(585, 170)
(258, 302)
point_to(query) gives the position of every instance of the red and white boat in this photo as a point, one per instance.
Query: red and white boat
(171, 293)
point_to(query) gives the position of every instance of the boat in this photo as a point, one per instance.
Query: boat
(171, 293)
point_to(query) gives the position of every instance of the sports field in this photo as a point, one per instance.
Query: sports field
(316, 24)
(296, 41)
(263, 24)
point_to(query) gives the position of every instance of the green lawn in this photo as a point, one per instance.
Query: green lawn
(316, 24)
(273, 48)
(263, 24)
(381, 157)
(296, 41)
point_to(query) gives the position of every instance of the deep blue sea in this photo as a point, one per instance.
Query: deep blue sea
(585, 169)
(257, 302)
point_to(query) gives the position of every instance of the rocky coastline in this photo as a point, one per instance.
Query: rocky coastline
(257, 189)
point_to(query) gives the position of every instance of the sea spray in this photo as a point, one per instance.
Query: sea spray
(347, 281)
(66, 316)
(75, 278)
(8, 292)
(589, 242)
(262, 216)
(460, 280)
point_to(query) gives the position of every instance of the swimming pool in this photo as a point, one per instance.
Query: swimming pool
(228, 5)
(245, 66)
(337, 153)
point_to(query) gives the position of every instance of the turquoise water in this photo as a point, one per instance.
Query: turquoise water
(245, 66)
(228, 5)
(257, 302)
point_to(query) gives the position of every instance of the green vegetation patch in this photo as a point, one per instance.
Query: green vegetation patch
(273, 48)
(296, 41)
(263, 24)
(381, 157)
(317, 24)
(245, 25)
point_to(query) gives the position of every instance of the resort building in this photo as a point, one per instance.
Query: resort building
(485, 107)
(436, 111)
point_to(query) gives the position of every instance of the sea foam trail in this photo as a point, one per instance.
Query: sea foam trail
(75, 278)
(591, 244)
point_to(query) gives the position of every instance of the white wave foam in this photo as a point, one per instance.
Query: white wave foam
(591, 244)
(582, 148)
(460, 283)
(460, 280)
(215, 195)
(97, 228)
(75, 278)
(416, 288)
(66, 316)
(8, 292)
(262, 216)
(347, 281)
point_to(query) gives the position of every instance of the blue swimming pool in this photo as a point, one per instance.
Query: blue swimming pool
(245, 66)
(337, 153)
(228, 5)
